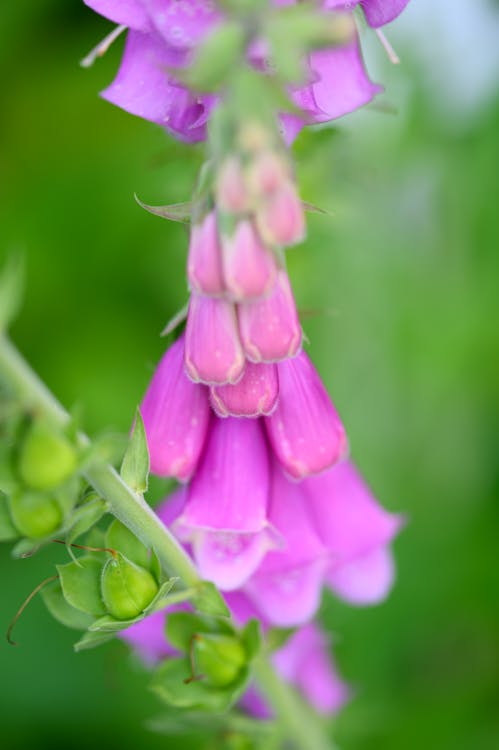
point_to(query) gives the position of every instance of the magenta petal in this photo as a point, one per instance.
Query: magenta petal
(349, 520)
(176, 413)
(249, 268)
(144, 88)
(379, 12)
(270, 329)
(305, 431)
(183, 24)
(130, 13)
(254, 395)
(280, 219)
(230, 489)
(172, 506)
(340, 85)
(213, 353)
(204, 263)
(364, 580)
(286, 589)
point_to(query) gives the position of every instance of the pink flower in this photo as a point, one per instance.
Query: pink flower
(249, 268)
(176, 415)
(225, 516)
(357, 532)
(204, 264)
(254, 395)
(304, 430)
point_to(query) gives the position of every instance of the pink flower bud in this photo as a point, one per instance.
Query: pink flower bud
(270, 329)
(176, 414)
(204, 262)
(230, 187)
(280, 219)
(225, 516)
(267, 173)
(249, 268)
(305, 431)
(255, 394)
(213, 352)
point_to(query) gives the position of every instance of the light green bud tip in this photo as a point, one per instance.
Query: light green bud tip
(47, 458)
(34, 515)
(219, 657)
(127, 588)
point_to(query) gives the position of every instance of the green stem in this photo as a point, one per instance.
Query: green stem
(301, 726)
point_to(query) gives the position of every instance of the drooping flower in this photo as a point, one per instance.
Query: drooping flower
(249, 267)
(357, 532)
(304, 430)
(255, 395)
(225, 515)
(204, 262)
(176, 416)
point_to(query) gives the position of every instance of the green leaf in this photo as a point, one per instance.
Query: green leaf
(180, 212)
(251, 638)
(169, 684)
(109, 624)
(91, 640)
(11, 290)
(62, 611)
(135, 466)
(209, 600)
(181, 626)
(120, 538)
(85, 516)
(81, 584)
(8, 531)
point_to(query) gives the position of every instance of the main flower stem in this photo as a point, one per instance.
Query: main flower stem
(301, 728)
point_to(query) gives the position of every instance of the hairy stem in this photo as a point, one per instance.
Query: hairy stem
(301, 726)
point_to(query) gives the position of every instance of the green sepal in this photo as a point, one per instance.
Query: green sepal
(27, 548)
(216, 58)
(111, 624)
(11, 290)
(135, 467)
(169, 685)
(59, 608)
(92, 640)
(276, 638)
(251, 638)
(85, 516)
(209, 600)
(36, 516)
(180, 212)
(120, 538)
(8, 531)
(182, 626)
(81, 584)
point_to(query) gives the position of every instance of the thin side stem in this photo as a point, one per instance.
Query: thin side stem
(302, 727)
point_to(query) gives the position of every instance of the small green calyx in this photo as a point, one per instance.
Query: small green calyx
(127, 588)
(219, 658)
(35, 516)
(47, 457)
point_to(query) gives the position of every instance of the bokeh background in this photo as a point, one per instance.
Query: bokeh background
(400, 301)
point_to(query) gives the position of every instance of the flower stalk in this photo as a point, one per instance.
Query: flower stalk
(303, 731)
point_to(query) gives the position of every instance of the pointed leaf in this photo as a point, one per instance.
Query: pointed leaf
(108, 624)
(251, 638)
(62, 611)
(177, 319)
(169, 684)
(135, 466)
(175, 212)
(161, 600)
(209, 600)
(81, 584)
(91, 640)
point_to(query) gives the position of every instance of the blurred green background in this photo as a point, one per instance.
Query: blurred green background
(400, 302)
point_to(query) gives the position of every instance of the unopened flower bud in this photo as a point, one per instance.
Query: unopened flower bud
(35, 515)
(230, 187)
(280, 219)
(249, 268)
(126, 588)
(270, 329)
(213, 352)
(204, 263)
(256, 393)
(47, 457)
(219, 657)
(267, 173)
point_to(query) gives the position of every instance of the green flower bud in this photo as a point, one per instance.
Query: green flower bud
(219, 657)
(34, 515)
(47, 458)
(126, 588)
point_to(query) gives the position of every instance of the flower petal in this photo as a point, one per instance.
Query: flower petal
(249, 268)
(254, 395)
(127, 12)
(270, 329)
(183, 23)
(204, 262)
(213, 353)
(364, 580)
(305, 431)
(176, 414)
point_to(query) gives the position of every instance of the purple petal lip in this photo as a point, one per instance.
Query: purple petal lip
(255, 395)
(176, 416)
(305, 431)
(130, 13)
(213, 352)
